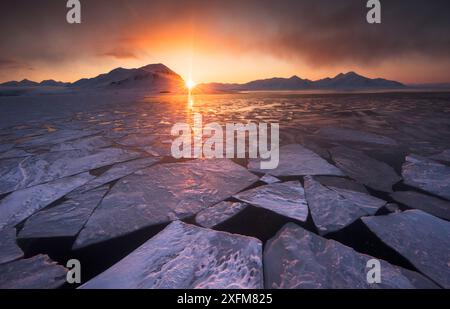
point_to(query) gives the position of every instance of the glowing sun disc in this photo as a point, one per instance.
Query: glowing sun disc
(190, 84)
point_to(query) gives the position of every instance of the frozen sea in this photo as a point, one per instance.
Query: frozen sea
(90, 176)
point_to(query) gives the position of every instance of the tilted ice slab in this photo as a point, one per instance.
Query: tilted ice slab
(217, 214)
(287, 199)
(64, 220)
(430, 204)
(427, 175)
(49, 166)
(9, 250)
(343, 183)
(38, 272)
(185, 256)
(296, 160)
(269, 179)
(364, 169)
(163, 193)
(349, 135)
(298, 259)
(421, 238)
(333, 208)
(21, 204)
(117, 171)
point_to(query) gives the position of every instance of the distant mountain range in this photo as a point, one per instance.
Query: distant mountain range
(153, 77)
(159, 78)
(347, 81)
(29, 83)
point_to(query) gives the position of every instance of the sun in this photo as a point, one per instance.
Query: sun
(190, 84)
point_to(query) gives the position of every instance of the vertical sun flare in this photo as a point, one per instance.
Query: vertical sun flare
(190, 84)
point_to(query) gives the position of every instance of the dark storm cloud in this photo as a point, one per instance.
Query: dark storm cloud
(320, 32)
(13, 64)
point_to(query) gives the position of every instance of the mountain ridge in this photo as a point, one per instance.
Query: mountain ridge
(342, 81)
(160, 78)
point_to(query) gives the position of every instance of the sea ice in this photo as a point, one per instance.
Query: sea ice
(287, 199)
(63, 220)
(421, 238)
(364, 169)
(9, 250)
(334, 208)
(427, 175)
(430, 204)
(217, 214)
(296, 160)
(21, 204)
(163, 193)
(38, 272)
(298, 259)
(185, 256)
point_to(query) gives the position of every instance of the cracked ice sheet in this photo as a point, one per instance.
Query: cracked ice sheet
(9, 250)
(364, 169)
(296, 160)
(298, 259)
(21, 204)
(349, 135)
(117, 171)
(86, 143)
(54, 138)
(427, 175)
(185, 256)
(38, 272)
(334, 208)
(287, 199)
(163, 193)
(421, 238)
(430, 204)
(217, 214)
(64, 220)
(49, 166)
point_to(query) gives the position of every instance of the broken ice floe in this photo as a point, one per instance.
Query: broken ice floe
(54, 138)
(421, 238)
(86, 143)
(217, 214)
(443, 156)
(298, 259)
(364, 169)
(334, 208)
(184, 256)
(21, 204)
(287, 199)
(63, 220)
(38, 272)
(427, 175)
(117, 171)
(163, 193)
(49, 166)
(268, 179)
(9, 250)
(342, 183)
(349, 135)
(430, 204)
(296, 160)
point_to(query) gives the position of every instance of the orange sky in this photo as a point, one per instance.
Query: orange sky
(226, 41)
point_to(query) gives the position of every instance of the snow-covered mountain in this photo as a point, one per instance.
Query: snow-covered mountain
(352, 80)
(347, 81)
(153, 77)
